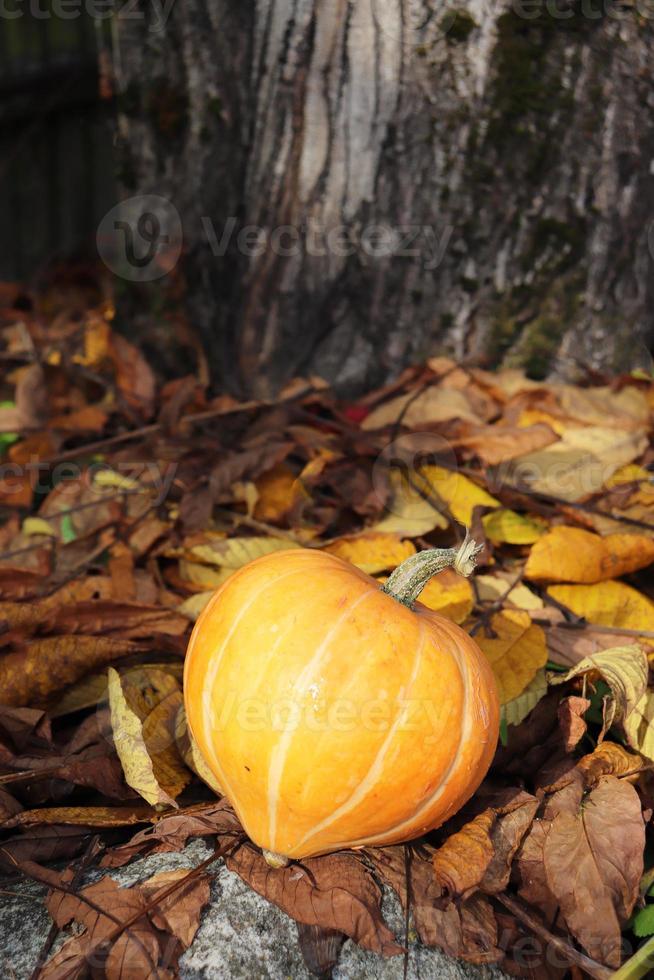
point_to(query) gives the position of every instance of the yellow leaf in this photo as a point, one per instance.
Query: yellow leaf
(204, 575)
(109, 478)
(459, 493)
(410, 512)
(536, 416)
(91, 690)
(516, 652)
(630, 473)
(639, 726)
(570, 554)
(625, 670)
(246, 493)
(194, 605)
(515, 711)
(36, 525)
(190, 753)
(579, 465)
(372, 552)
(235, 552)
(278, 491)
(506, 527)
(141, 721)
(449, 594)
(607, 604)
(492, 587)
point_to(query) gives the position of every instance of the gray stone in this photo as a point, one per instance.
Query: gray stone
(242, 937)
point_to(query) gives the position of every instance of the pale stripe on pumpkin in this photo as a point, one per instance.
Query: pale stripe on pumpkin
(413, 822)
(212, 673)
(280, 752)
(369, 780)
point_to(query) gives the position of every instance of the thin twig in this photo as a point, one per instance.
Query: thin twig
(594, 969)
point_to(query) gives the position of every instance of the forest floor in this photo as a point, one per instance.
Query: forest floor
(127, 499)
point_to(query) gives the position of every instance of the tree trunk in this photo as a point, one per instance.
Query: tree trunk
(363, 183)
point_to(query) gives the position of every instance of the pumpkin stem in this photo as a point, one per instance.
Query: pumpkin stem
(409, 579)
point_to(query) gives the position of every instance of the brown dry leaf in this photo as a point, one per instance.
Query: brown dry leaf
(172, 831)
(250, 463)
(129, 620)
(571, 720)
(32, 675)
(607, 759)
(150, 762)
(461, 929)
(137, 951)
(134, 376)
(461, 862)
(568, 645)
(516, 813)
(178, 913)
(627, 408)
(593, 858)
(371, 552)
(495, 444)
(434, 404)
(89, 418)
(83, 816)
(54, 842)
(516, 652)
(570, 554)
(334, 891)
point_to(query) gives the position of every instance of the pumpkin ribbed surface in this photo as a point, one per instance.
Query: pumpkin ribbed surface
(332, 715)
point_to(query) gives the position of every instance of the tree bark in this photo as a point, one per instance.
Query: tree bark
(363, 183)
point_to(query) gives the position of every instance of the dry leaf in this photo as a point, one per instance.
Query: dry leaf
(434, 404)
(372, 553)
(571, 720)
(593, 858)
(517, 709)
(48, 666)
(607, 604)
(334, 892)
(516, 652)
(570, 554)
(507, 527)
(461, 862)
(577, 466)
(130, 741)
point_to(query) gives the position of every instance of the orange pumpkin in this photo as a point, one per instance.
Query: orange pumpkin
(335, 713)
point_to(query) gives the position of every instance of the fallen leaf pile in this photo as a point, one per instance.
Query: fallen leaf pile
(126, 499)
